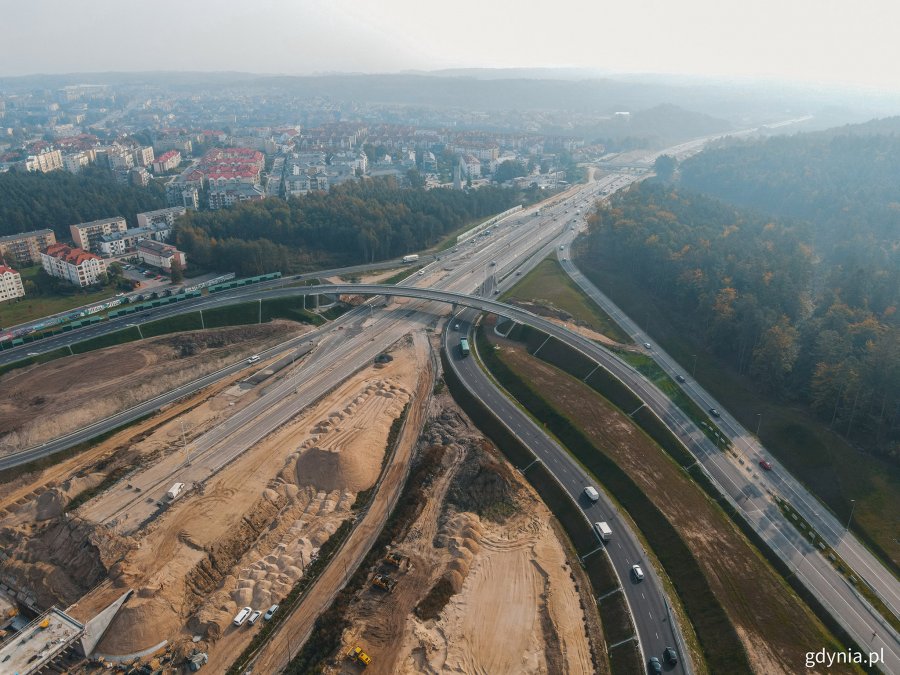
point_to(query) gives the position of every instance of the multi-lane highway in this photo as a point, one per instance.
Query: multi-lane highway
(747, 487)
(645, 598)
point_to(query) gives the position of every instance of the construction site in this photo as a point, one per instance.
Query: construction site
(160, 547)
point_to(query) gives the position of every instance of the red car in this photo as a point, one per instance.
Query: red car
(764, 464)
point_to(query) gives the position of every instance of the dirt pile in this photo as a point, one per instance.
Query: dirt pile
(486, 586)
(484, 485)
(59, 559)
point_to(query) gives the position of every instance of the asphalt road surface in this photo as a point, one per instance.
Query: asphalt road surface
(645, 598)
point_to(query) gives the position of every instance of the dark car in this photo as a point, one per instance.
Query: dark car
(654, 666)
(670, 656)
(715, 412)
(680, 378)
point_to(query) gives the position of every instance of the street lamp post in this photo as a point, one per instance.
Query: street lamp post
(852, 506)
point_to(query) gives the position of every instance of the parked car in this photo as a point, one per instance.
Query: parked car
(271, 612)
(254, 617)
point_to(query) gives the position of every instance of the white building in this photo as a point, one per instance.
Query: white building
(10, 284)
(143, 156)
(118, 243)
(160, 255)
(75, 265)
(50, 160)
(85, 234)
(167, 216)
(75, 163)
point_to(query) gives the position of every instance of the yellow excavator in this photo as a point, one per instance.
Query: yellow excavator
(357, 654)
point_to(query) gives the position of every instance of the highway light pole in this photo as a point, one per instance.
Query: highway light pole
(852, 506)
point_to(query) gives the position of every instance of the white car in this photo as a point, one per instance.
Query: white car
(271, 612)
(242, 616)
(253, 359)
(591, 493)
(254, 617)
(421, 273)
(638, 572)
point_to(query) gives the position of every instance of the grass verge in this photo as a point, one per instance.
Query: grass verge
(549, 285)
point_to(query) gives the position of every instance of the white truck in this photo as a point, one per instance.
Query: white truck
(411, 258)
(603, 531)
(174, 491)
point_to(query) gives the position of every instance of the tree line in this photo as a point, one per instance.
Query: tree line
(771, 302)
(35, 201)
(358, 222)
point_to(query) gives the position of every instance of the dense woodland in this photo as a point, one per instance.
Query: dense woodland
(34, 201)
(801, 310)
(353, 223)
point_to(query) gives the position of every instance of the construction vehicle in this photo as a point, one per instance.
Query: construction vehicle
(43, 624)
(358, 655)
(394, 558)
(384, 582)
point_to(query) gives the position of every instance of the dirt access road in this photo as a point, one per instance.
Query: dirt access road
(276, 653)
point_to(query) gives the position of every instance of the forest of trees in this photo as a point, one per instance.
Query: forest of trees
(353, 223)
(772, 299)
(34, 201)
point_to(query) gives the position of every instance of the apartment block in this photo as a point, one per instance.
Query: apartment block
(167, 216)
(25, 248)
(75, 265)
(118, 243)
(167, 161)
(47, 161)
(85, 235)
(160, 255)
(10, 284)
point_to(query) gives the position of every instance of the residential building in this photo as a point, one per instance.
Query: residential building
(183, 194)
(160, 255)
(85, 234)
(75, 265)
(139, 176)
(167, 161)
(143, 156)
(228, 195)
(167, 216)
(115, 157)
(10, 284)
(118, 243)
(25, 248)
(75, 163)
(49, 160)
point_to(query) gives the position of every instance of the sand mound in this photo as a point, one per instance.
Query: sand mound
(331, 470)
(141, 623)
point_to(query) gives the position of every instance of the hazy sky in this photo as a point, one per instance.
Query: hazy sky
(808, 40)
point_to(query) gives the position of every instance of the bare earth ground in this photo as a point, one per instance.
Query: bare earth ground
(48, 400)
(776, 628)
(553, 314)
(513, 607)
(244, 538)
